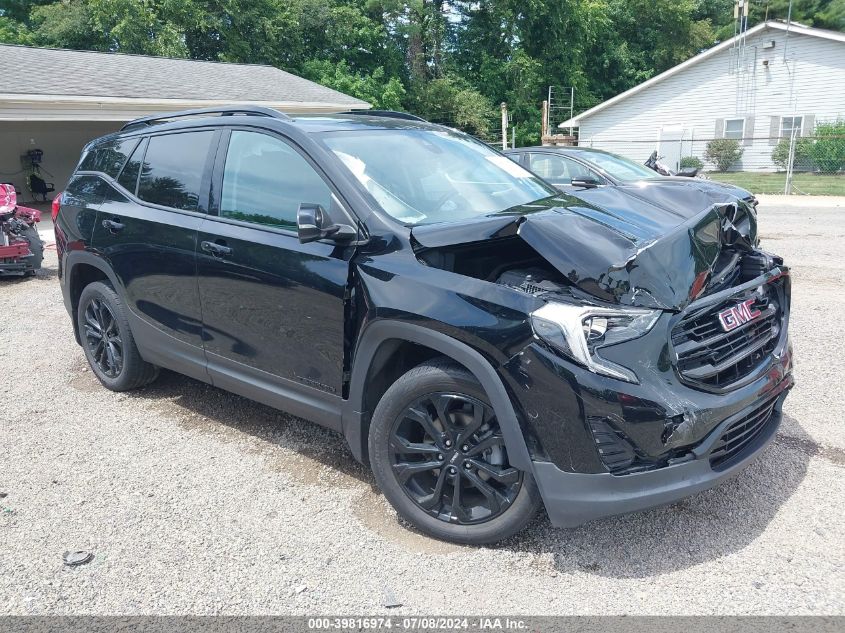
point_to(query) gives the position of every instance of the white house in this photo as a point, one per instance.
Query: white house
(755, 88)
(57, 100)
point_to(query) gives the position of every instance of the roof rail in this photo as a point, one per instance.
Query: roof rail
(221, 110)
(392, 114)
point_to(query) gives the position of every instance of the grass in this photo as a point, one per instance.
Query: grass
(813, 184)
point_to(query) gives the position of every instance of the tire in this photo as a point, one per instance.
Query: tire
(36, 247)
(403, 418)
(117, 363)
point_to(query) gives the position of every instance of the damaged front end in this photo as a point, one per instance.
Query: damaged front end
(649, 259)
(654, 331)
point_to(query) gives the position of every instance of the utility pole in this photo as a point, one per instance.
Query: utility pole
(544, 125)
(504, 126)
(790, 162)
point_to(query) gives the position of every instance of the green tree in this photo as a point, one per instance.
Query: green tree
(129, 26)
(376, 88)
(691, 162)
(451, 101)
(644, 38)
(828, 149)
(828, 14)
(14, 32)
(801, 159)
(723, 152)
(451, 60)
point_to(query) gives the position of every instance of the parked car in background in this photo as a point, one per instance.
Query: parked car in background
(582, 169)
(484, 342)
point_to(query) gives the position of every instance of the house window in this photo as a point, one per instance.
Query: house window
(735, 128)
(788, 124)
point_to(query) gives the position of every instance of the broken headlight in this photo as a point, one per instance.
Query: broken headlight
(579, 332)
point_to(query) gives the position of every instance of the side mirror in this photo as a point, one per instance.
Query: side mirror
(689, 172)
(586, 183)
(313, 223)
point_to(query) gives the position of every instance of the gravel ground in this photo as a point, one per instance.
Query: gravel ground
(197, 501)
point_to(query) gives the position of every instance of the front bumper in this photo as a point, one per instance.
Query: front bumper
(15, 259)
(14, 268)
(572, 499)
(600, 446)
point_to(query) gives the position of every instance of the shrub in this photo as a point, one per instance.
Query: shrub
(691, 161)
(828, 150)
(802, 160)
(723, 152)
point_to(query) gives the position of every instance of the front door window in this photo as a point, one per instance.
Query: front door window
(558, 169)
(265, 180)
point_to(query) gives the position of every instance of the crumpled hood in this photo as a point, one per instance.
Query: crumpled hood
(695, 194)
(684, 195)
(627, 251)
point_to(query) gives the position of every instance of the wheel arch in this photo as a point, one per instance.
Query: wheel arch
(382, 337)
(81, 269)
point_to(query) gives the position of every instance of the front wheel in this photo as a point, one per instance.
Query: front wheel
(438, 455)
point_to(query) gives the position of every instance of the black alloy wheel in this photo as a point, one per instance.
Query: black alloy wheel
(103, 338)
(106, 337)
(449, 457)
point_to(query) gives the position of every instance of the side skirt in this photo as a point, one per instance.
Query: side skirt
(161, 349)
(279, 393)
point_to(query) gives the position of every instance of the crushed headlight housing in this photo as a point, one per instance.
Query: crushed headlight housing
(579, 332)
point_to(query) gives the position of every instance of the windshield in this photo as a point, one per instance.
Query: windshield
(618, 167)
(427, 176)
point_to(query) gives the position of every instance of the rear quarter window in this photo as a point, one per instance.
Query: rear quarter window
(108, 158)
(128, 178)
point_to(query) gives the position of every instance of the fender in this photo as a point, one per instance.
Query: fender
(73, 259)
(381, 331)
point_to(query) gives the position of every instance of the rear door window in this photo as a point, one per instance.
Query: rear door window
(173, 168)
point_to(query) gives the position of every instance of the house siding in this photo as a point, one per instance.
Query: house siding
(710, 91)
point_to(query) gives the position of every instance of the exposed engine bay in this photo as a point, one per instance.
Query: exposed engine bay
(592, 253)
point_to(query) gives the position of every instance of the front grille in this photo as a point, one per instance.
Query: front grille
(714, 360)
(739, 435)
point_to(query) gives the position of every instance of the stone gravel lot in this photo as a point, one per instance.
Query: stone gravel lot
(197, 501)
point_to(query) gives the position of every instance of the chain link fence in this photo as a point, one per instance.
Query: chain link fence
(800, 159)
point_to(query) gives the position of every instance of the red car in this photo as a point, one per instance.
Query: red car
(21, 250)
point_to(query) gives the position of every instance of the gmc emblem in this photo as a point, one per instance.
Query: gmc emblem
(737, 315)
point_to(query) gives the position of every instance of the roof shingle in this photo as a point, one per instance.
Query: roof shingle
(59, 72)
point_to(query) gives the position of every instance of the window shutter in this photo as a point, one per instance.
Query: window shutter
(808, 125)
(748, 131)
(774, 130)
(720, 129)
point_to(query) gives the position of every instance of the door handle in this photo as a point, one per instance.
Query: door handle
(215, 248)
(113, 226)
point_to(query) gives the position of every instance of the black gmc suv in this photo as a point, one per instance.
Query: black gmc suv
(486, 343)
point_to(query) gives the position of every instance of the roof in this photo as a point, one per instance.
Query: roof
(309, 123)
(562, 149)
(792, 27)
(49, 73)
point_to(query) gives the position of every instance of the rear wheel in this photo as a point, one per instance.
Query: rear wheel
(108, 342)
(437, 452)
